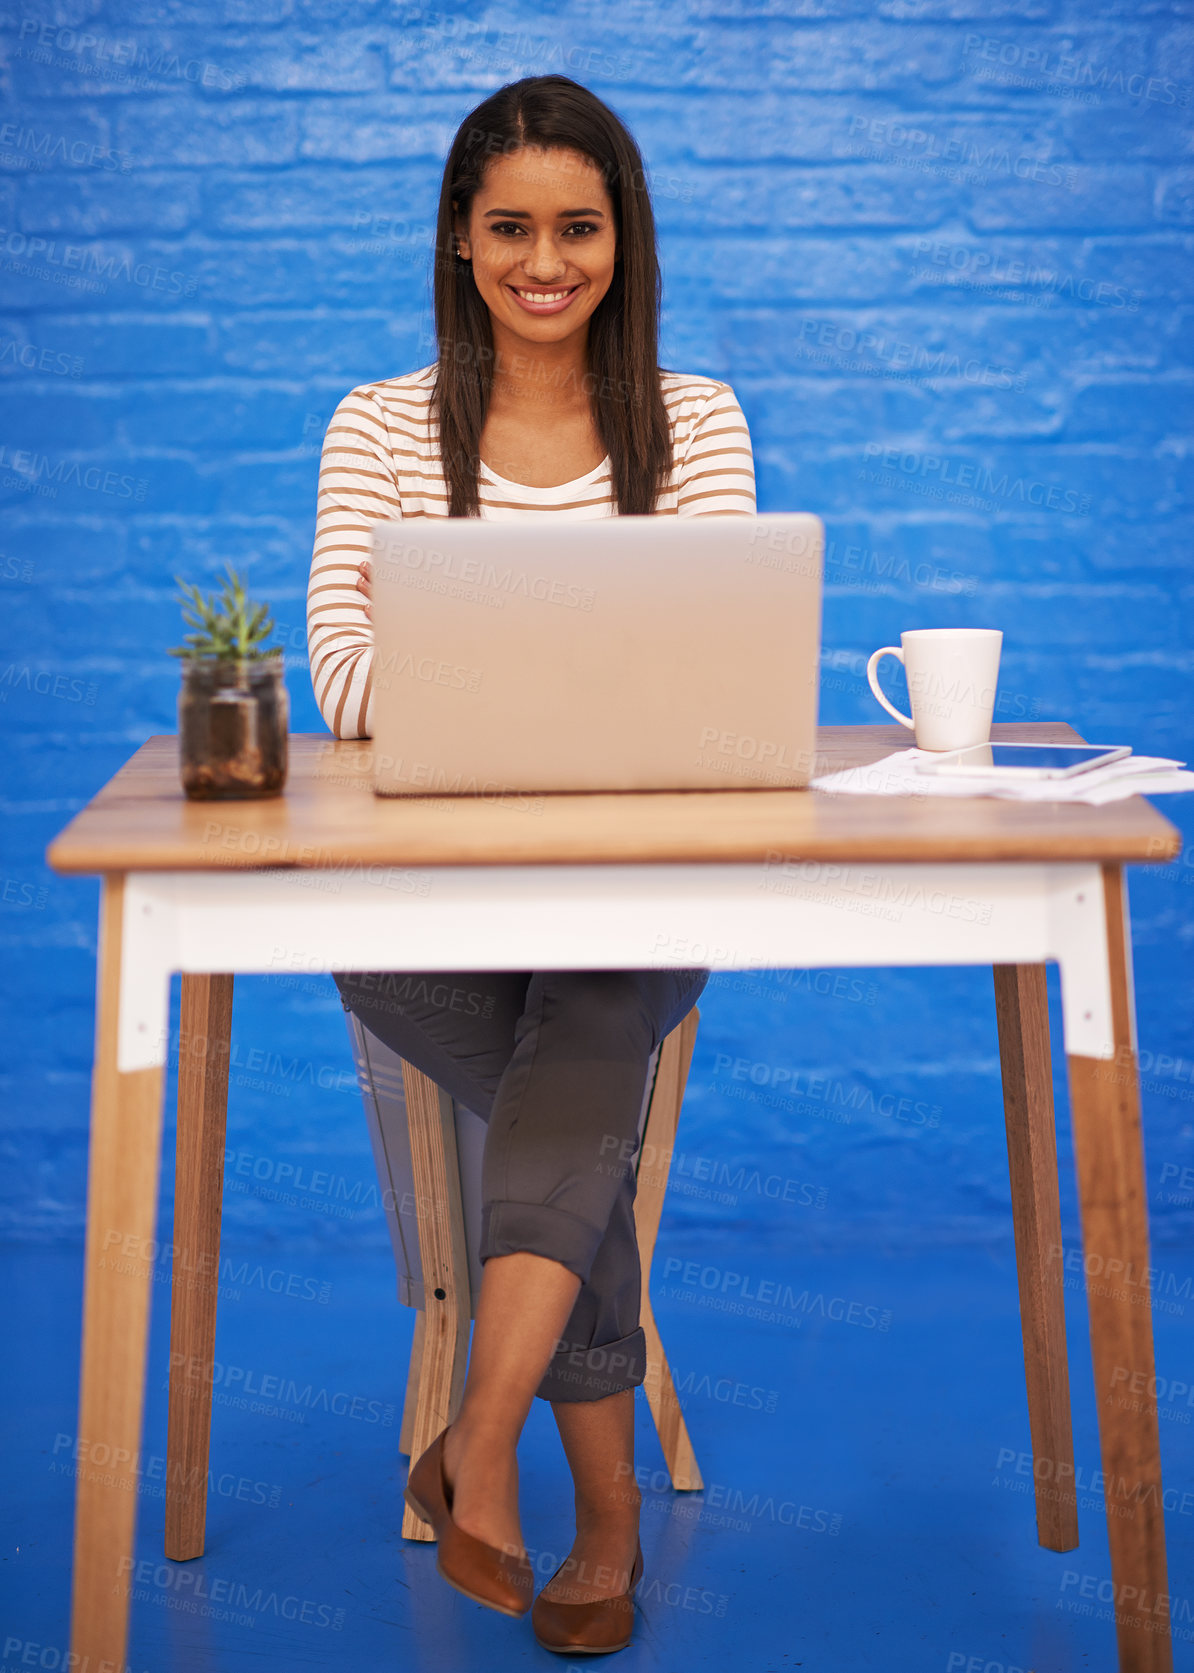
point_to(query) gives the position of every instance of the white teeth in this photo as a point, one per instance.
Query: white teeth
(540, 296)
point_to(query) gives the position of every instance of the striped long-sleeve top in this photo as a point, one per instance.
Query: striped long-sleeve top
(381, 460)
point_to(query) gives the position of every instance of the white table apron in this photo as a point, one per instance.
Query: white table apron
(778, 914)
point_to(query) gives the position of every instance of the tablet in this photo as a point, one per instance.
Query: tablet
(1024, 760)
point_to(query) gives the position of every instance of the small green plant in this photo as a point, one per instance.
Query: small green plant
(229, 625)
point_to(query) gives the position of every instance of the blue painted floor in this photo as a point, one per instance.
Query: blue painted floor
(867, 1501)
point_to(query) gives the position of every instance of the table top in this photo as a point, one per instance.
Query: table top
(328, 816)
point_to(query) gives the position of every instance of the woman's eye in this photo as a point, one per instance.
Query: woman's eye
(504, 227)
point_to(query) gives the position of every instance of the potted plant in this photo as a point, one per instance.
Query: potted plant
(233, 706)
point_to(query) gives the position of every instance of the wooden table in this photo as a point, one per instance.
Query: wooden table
(723, 879)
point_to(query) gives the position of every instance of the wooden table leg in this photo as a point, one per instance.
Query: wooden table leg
(1109, 1155)
(205, 1030)
(122, 1183)
(1022, 1010)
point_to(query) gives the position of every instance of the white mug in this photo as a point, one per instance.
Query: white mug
(951, 683)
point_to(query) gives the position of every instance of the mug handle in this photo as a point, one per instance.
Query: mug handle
(872, 681)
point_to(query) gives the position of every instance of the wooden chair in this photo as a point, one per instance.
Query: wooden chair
(421, 1134)
(436, 1373)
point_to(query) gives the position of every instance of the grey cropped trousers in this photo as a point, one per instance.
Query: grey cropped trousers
(555, 1062)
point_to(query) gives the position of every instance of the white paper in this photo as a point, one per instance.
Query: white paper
(896, 775)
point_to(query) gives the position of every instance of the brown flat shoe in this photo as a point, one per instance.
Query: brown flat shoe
(482, 1572)
(587, 1629)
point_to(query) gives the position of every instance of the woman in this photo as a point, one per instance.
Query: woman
(546, 397)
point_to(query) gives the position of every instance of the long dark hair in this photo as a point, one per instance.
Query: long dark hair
(623, 342)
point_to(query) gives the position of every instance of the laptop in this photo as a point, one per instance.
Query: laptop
(623, 653)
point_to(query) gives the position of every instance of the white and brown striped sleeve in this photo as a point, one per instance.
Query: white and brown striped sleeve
(717, 475)
(357, 488)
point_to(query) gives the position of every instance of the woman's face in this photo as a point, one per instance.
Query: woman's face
(541, 223)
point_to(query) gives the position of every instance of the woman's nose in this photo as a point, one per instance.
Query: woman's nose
(545, 262)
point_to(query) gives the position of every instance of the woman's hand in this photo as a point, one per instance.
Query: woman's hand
(365, 584)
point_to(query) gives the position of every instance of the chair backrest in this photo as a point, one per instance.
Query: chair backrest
(379, 1075)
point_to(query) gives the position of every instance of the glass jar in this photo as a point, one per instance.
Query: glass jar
(233, 724)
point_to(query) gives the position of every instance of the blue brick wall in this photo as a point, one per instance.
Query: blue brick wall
(943, 251)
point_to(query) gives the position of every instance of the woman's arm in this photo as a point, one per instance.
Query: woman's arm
(717, 477)
(356, 489)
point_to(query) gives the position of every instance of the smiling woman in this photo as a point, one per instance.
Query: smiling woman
(556, 407)
(546, 397)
